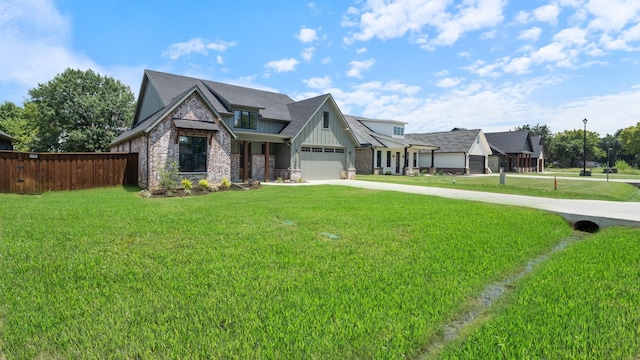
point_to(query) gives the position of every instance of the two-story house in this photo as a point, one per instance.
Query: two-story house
(383, 148)
(215, 131)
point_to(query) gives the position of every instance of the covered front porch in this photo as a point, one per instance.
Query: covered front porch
(262, 157)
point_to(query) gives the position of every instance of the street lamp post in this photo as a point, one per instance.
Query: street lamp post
(584, 149)
(608, 163)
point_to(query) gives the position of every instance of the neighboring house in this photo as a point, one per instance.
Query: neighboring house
(216, 131)
(537, 158)
(6, 141)
(383, 148)
(512, 151)
(460, 151)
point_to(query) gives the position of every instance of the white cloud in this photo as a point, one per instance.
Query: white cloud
(448, 82)
(283, 65)
(319, 83)
(307, 54)
(357, 67)
(571, 36)
(388, 20)
(219, 60)
(326, 60)
(531, 34)
(196, 45)
(519, 65)
(547, 13)
(361, 50)
(613, 14)
(307, 35)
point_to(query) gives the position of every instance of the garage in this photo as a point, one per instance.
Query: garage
(476, 164)
(321, 163)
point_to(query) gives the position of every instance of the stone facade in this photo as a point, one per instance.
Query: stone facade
(258, 167)
(163, 146)
(364, 161)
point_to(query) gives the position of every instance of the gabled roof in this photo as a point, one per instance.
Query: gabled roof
(538, 145)
(369, 138)
(510, 142)
(224, 97)
(300, 112)
(454, 141)
(5, 136)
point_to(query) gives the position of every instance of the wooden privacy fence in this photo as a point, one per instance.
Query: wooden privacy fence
(35, 173)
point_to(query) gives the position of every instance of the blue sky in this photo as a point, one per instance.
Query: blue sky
(436, 64)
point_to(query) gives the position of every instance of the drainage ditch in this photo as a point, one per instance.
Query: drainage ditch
(452, 330)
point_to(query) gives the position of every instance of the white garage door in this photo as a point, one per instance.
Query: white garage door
(321, 163)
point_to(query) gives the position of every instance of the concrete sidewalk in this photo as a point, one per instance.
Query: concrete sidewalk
(602, 213)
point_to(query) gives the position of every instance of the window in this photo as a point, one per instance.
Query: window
(415, 159)
(306, 149)
(193, 154)
(388, 158)
(399, 131)
(325, 120)
(245, 119)
(328, 150)
(340, 151)
(316, 149)
(379, 159)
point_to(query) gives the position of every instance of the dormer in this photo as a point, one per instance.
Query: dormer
(391, 128)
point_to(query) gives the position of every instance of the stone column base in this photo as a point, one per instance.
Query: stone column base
(295, 174)
(351, 174)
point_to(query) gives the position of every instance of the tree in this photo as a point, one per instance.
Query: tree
(610, 142)
(566, 147)
(630, 141)
(80, 111)
(15, 121)
(541, 130)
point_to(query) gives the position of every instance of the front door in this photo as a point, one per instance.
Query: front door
(397, 162)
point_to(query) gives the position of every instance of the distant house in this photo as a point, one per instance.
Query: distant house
(383, 147)
(6, 141)
(460, 151)
(538, 156)
(215, 131)
(512, 151)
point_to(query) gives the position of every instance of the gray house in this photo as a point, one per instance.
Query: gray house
(215, 131)
(6, 141)
(383, 147)
(460, 151)
(538, 156)
(512, 151)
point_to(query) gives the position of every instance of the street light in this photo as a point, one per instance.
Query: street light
(608, 163)
(584, 150)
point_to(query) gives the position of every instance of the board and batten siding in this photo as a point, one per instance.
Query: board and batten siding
(313, 134)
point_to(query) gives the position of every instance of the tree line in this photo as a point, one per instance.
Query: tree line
(82, 111)
(565, 149)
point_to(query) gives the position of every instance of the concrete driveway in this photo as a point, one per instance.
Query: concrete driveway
(580, 213)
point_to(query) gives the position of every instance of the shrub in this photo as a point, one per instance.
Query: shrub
(388, 172)
(279, 180)
(204, 184)
(301, 180)
(169, 177)
(424, 171)
(186, 184)
(622, 165)
(225, 183)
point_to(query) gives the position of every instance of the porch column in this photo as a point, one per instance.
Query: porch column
(266, 161)
(245, 165)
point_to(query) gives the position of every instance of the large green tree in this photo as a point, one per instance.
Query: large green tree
(630, 141)
(80, 111)
(537, 129)
(566, 147)
(16, 121)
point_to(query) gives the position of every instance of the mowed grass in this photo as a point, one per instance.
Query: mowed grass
(250, 274)
(584, 303)
(518, 185)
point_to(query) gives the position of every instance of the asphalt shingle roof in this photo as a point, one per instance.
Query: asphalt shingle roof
(510, 142)
(457, 140)
(6, 136)
(300, 112)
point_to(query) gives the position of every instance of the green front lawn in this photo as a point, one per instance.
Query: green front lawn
(542, 186)
(319, 272)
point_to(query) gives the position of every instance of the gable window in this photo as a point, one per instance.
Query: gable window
(193, 154)
(325, 120)
(399, 131)
(243, 119)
